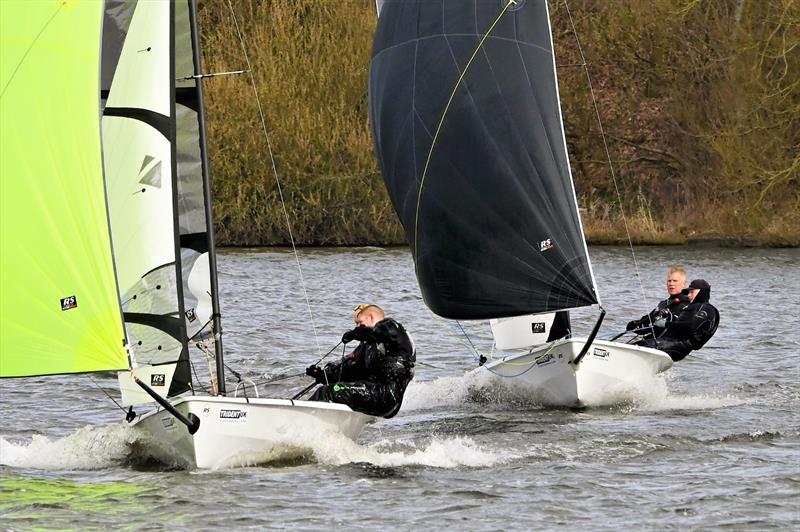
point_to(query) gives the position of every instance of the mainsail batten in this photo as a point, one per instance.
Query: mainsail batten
(55, 317)
(474, 114)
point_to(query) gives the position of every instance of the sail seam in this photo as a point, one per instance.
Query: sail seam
(441, 121)
(441, 35)
(33, 43)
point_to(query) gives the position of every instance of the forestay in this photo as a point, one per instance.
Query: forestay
(467, 127)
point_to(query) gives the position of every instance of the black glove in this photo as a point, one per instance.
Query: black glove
(632, 325)
(316, 372)
(362, 333)
(662, 319)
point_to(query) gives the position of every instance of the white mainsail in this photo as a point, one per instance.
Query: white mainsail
(138, 140)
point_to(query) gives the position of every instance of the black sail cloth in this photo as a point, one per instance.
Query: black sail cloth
(467, 128)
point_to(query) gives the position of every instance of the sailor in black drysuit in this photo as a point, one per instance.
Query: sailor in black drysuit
(655, 320)
(373, 378)
(690, 329)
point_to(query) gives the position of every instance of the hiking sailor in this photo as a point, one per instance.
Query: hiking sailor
(372, 378)
(690, 329)
(676, 301)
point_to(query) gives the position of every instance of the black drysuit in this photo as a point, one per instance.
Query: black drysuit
(666, 309)
(373, 378)
(689, 330)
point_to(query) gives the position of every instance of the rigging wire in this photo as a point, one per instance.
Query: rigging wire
(472, 348)
(107, 394)
(608, 156)
(197, 379)
(274, 171)
(472, 345)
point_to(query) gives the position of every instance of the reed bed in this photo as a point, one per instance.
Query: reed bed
(699, 100)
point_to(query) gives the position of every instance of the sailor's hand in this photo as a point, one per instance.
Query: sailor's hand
(632, 325)
(315, 372)
(662, 319)
(349, 336)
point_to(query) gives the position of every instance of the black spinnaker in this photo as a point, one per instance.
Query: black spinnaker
(467, 127)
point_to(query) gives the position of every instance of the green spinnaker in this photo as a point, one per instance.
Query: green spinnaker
(59, 307)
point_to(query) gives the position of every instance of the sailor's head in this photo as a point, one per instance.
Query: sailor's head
(698, 287)
(367, 315)
(676, 280)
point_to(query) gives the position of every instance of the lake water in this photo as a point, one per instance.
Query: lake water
(713, 444)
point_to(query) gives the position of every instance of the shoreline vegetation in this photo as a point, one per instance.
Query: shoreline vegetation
(700, 104)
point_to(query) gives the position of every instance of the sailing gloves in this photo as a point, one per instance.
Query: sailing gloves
(362, 333)
(660, 320)
(316, 372)
(663, 317)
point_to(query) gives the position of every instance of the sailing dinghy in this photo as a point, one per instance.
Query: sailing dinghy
(467, 126)
(115, 267)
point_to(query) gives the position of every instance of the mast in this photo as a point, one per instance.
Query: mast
(176, 226)
(212, 253)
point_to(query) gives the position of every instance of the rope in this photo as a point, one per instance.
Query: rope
(441, 120)
(608, 156)
(329, 352)
(107, 394)
(275, 171)
(197, 379)
(264, 381)
(467, 337)
(477, 354)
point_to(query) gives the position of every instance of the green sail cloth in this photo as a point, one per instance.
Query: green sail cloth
(59, 307)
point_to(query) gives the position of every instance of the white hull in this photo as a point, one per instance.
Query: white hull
(610, 372)
(235, 431)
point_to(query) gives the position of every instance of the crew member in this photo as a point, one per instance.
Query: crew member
(690, 329)
(373, 378)
(676, 301)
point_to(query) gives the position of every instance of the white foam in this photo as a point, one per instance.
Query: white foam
(691, 402)
(91, 448)
(437, 452)
(653, 394)
(334, 449)
(444, 391)
(657, 396)
(86, 448)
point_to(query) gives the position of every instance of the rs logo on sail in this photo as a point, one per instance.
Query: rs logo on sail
(69, 302)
